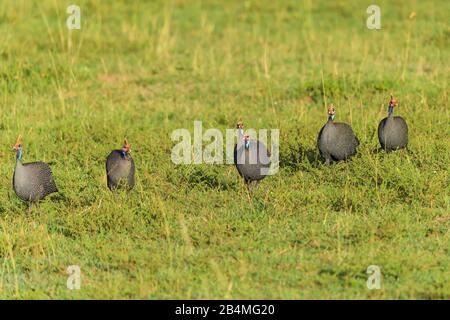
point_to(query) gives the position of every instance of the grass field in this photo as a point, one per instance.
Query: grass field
(142, 69)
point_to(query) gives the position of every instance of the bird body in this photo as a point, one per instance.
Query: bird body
(252, 162)
(336, 141)
(32, 182)
(393, 130)
(120, 169)
(251, 158)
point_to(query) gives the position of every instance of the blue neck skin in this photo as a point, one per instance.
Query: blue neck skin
(331, 117)
(390, 109)
(240, 131)
(247, 144)
(124, 153)
(19, 154)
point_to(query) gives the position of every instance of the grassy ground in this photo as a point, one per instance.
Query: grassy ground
(143, 69)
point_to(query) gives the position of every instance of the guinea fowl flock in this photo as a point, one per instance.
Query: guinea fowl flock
(336, 141)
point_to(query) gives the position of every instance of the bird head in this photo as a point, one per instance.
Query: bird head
(126, 148)
(392, 104)
(247, 141)
(18, 148)
(331, 112)
(240, 127)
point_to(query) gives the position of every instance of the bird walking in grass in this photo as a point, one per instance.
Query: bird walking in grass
(120, 168)
(251, 157)
(393, 131)
(32, 182)
(336, 140)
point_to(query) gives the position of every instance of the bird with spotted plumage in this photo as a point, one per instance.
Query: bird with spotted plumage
(32, 182)
(393, 130)
(251, 158)
(336, 140)
(120, 168)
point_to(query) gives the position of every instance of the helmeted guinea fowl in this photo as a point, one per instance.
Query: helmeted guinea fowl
(251, 157)
(120, 168)
(336, 140)
(393, 131)
(32, 181)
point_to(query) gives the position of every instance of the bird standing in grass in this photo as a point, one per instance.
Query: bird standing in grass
(32, 182)
(393, 131)
(336, 140)
(251, 157)
(120, 168)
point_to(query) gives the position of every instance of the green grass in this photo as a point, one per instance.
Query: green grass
(143, 69)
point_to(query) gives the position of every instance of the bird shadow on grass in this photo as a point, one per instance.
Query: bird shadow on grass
(382, 152)
(299, 157)
(205, 176)
(59, 197)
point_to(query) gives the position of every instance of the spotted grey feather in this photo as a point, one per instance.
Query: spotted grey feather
(120, 170)
(33, 181)
(393, 130)
(336, 141)
(253, 162)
